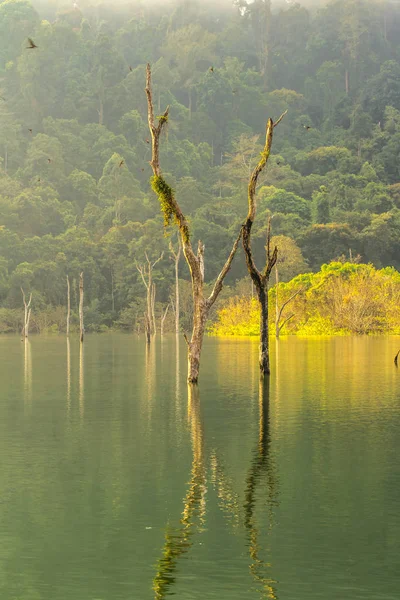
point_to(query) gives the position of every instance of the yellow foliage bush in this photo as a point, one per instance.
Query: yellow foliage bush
(340, 299)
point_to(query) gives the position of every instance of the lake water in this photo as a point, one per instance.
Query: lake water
(116, 483)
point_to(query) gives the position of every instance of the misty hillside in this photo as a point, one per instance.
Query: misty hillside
(74, 141)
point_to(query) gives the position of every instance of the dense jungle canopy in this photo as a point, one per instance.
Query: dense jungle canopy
(74, 143)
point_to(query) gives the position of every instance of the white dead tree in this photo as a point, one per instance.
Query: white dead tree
(163, 317)
(27, 313)
(81, 325)
(176, 255)
(68, 304)
(195, 261)
(146, 273)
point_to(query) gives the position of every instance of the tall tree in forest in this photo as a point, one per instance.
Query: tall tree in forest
(261, 278)
(195, 261)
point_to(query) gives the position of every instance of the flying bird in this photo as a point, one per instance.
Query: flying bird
(49, 160)
(147, 141)
(30, 130)
(32, 44)
(212, 69)
(121, 163)
(307, 127)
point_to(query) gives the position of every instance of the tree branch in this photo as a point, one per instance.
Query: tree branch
(158, 259)
(251, 215)
(220, 279)
(285, 321)
(280, 119)
(289, 300)
(166, 196)
(141, 271)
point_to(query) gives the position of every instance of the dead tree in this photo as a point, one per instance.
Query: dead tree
(81, 326)
(147, 327)
(195, 261)
(260, 278)
(279, 324)
(27, 313)
(176, 256)
(164, 316)
(146, 273)
(68, 305)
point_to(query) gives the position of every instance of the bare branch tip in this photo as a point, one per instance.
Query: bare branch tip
(280, 118)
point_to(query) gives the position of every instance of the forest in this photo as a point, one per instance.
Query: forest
(75, 193)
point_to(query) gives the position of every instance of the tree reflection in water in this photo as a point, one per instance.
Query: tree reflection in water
(262, 467)
(178, 540)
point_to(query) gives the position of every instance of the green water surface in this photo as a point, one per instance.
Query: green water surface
(119, 483)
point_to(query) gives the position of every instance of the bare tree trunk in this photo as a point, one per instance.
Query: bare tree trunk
(147, 327)
(27, 313)
(100, 111)
(27, 323)
(81, 326)
(146, 273)
(153, 302)
(171, 209)
(163, 320)
(176, 256)
(346, 81)
(261, 278)
(68, 304)
(263, 357)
